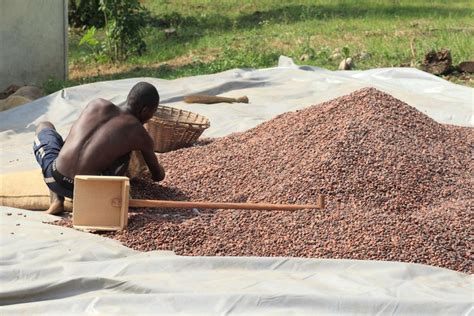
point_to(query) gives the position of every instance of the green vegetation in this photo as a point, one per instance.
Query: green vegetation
(124, 22)
(213, 36)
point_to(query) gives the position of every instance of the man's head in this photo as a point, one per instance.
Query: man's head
(143, 100)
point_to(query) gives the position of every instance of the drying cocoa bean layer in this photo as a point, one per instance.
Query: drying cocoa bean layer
(398, 186)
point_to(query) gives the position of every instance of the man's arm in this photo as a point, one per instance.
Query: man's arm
(157, 171)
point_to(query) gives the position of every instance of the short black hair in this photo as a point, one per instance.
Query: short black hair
(142, 95)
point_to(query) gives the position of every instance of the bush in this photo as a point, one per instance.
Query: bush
(125, 21)
(95, 46)
(85, 13)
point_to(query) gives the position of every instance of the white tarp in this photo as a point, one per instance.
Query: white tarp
(271, 92)
(54, 270)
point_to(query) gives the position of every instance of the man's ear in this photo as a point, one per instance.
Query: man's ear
(147, 112)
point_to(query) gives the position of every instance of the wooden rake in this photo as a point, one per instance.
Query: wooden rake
(102, 202)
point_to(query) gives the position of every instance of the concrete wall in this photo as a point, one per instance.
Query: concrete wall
(33, 41)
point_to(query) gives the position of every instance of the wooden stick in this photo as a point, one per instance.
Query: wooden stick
(238, 206)
(210, 99)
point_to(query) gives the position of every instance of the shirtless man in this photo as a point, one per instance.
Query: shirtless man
(99, 143)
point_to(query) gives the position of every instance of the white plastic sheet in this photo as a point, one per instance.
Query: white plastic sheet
(271, 92)
(55, 270)
(50, 270)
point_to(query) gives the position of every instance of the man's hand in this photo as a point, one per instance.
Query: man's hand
(146, 147)
(161, 175)
(157, 171)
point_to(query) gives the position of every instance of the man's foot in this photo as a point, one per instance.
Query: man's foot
(56, 207)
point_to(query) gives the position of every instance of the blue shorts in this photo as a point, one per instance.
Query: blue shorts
(46, 147)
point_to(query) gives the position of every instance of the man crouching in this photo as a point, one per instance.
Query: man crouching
(99, 143)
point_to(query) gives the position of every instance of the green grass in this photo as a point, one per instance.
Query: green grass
(214, 36)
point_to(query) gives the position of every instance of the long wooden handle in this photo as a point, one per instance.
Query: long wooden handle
(240, 206)
(210, 99)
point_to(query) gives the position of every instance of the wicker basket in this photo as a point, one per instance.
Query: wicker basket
(172, 128)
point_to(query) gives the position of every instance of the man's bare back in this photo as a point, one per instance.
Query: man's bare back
(102, 134)
(99, 142)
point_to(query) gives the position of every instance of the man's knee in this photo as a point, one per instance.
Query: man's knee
(43, 125)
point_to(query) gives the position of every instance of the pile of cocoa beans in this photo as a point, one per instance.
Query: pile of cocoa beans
(398, 187)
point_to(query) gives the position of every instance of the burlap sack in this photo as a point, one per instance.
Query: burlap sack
(13, 101)
(26, 190)
(21, 95)
(137, 165)
(30, 92)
